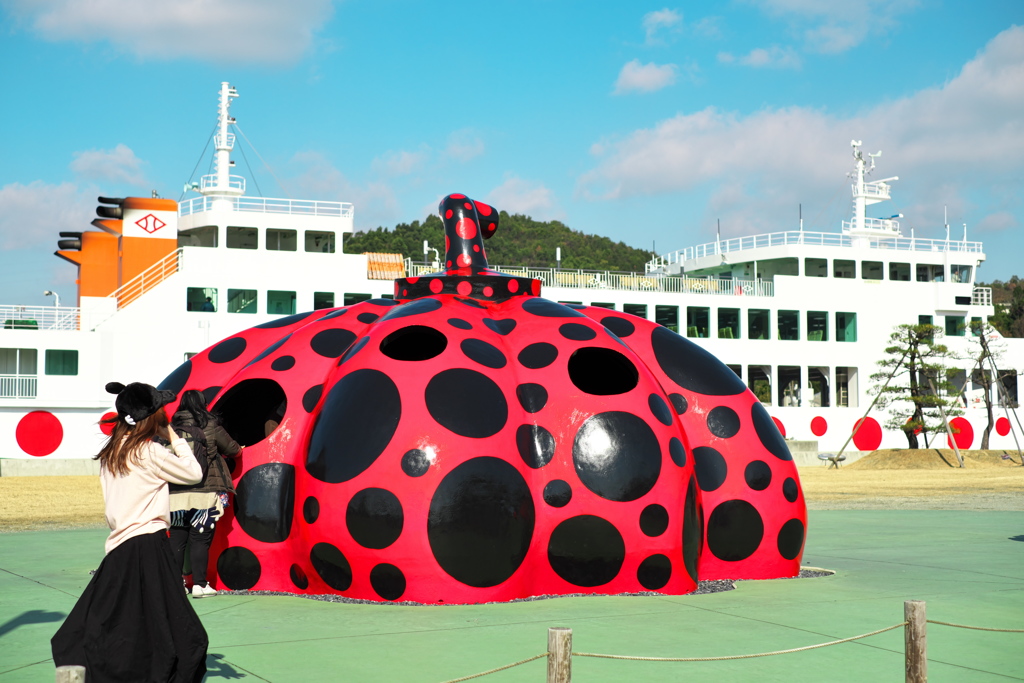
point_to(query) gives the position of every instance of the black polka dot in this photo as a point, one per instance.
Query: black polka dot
(388, 581)
(209, 393)
(557, 493)
(331, 343)
(413, 308)
(654, 520)
(367, 317)
(285, 321)
(536, 445)
(176, 380)
(238, 568)
(790, 489)
(283, 363)
(502, 327)
(359, 417)
(374, 518)
(532, 397)
(270, 349)
(383, 302)
(415, 463)
(692, 367)
(481, 522)
(723, 421)
(264, 501)
(735, 530)
(617, 456)
(677, 451)
(332, 566)
(353, 350)
(619, 326)
(660, 409)
(654, 572)
(693, 530)
(311, 510)
(312, 397)
(466, 402)
(469, 302)
(549, 309)
(758, 475)
(227, 350)
(483, 353)
(586, 551)
(678, 402)
(710, 468)
(768, 433)
(460, 323)
(298, 577)
(337, 313)
(791, 539)
(539, 355)
(577, 332)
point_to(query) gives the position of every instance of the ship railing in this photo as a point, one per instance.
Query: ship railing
(39, 317)
(18, 386)
(886, 224)
(292, 207)
(981, 296)
(148, 279)
(876, 189)
(211, 182)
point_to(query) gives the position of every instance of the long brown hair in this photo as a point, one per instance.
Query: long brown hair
(125, 443)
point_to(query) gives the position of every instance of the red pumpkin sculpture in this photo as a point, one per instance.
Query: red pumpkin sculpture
(472, 442)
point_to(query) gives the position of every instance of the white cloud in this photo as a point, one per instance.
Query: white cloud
(637, 77)
(945, 142)
(106, 166)
(660, 21)
(464, 145)
(231, 31)
(376, 202)
(516, 195)
(34, 214)
(401, 162)
(774, 57)
(997, 222)
(832, 27)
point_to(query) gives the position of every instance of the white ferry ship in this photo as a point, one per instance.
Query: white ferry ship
(802, 317)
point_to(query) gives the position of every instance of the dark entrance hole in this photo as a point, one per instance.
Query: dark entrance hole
(415, 342)
(602, 372)
(251, 410)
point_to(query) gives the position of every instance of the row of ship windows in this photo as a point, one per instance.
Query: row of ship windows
(315, 241)
(19, 369)
(819, 390)
(875, 270)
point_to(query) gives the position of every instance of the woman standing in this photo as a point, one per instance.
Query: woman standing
(196, 508)
(133, 622)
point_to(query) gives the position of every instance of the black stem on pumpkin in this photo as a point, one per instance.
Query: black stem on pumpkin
(467, 224)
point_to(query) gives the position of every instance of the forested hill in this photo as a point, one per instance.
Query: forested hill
(519, 241)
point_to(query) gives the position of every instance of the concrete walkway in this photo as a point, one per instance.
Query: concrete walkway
(966, 565)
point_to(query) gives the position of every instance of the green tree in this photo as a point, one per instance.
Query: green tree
(913, 379)
(1009, 316)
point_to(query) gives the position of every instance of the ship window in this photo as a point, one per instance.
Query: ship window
(667, 316)
(959, 273)
(758, 323)
(242, 238)
(205, 236)
(728, 323)
(927, 272)
(789, 325)
(350, 299)
(1009, 382)
(816, 267)
(61, 362)
(639, 310)
(323, 300)
(846, 387)
(844, 268)
(759, 380)
(322, 242)
(241, 301)
(846, 327)
(280, 303)
(871, 270)
(574, 303)
(817, 379)
(697, 321)
(18, 373)
(955, 326)
(789, 386)
(738, 369)
(386, 296)
(924, 320)
(899, 272)
(603, 304)
(817, 326)
(281, 240)
(203, 299)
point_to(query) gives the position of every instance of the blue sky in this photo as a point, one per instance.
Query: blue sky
(646, 124)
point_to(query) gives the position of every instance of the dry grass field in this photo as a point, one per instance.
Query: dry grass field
(897, 479)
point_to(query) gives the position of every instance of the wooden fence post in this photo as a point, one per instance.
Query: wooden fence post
(915, 641)
(72, 673)
(559, 655)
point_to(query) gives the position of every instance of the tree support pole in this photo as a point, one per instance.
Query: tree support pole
(949, 430)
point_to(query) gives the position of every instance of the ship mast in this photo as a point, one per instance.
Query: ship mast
(864, 195)
(221, 183)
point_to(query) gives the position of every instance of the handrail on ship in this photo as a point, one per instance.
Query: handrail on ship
(292, 207)
(147, 279)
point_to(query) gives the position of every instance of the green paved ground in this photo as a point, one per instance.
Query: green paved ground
(966, 565)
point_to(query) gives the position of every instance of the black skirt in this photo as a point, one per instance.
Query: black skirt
(134, 621)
